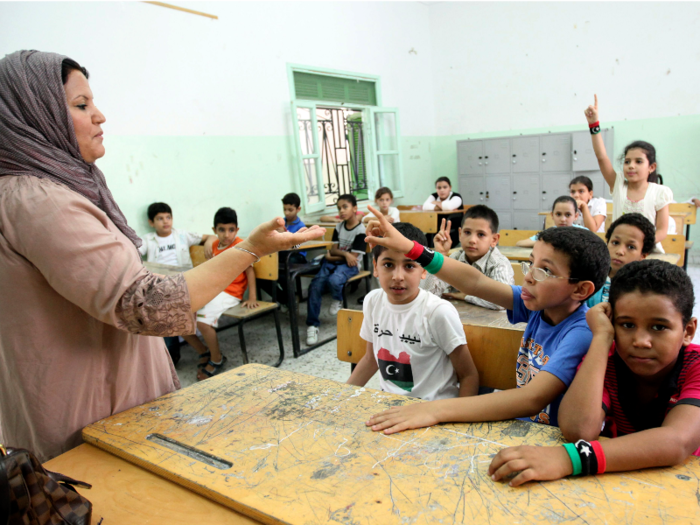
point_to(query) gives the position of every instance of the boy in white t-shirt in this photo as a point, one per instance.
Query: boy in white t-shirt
(414, 338)
(166, 245)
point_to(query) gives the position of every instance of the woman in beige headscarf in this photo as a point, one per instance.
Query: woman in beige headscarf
(77, 304)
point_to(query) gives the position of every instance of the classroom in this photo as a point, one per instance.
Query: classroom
(532, 259)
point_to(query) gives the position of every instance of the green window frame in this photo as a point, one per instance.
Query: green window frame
(309, 90)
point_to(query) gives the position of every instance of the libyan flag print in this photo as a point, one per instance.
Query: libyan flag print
(396, 369)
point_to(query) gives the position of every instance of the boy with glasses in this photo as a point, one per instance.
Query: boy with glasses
(567, 265)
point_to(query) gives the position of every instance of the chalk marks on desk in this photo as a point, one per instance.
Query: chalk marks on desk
(301, 453)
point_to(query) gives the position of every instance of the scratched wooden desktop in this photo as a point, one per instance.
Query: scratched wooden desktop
(519, 253)
(283, 447)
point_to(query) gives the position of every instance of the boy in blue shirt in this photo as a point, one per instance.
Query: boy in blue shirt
(566, 266)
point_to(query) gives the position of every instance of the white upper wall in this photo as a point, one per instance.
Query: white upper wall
(505, 66)
(156, 71)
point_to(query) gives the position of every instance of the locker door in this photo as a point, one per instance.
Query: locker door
(498, 193)
(582, 154)
(470, 157)
(505, 220)
(497, 155)
(553, 185)
(472, 189)
(525, 154)
(555, 152)
(526, 192)
(527, 220)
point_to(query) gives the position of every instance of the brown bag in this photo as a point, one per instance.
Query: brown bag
(31, 495)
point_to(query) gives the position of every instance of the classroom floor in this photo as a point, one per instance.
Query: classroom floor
(321, 362)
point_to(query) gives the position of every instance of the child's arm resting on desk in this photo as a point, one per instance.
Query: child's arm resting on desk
(526, 243)
(506, 404)
(365, 369)
(670, 444)
(465, 278)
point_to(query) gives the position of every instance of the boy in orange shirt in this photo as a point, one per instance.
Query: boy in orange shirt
(211, 361)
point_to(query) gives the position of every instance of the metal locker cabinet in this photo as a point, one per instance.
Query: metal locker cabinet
(472, 190)
(600, 187)
(526, 192)
(555, 152)
(553, 185)
(526, 220)
(470, 157)
(498, 192)
(525, 155)
(497, 156)
(582, 154)
(505, 220)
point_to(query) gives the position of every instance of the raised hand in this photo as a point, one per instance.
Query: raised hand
(265, 239)
(591, 112)
(442, 240)
(381, 232)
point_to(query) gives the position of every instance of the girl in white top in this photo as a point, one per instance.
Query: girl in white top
(635, 190)
(384, 198)
(593, 210)
(444, 199)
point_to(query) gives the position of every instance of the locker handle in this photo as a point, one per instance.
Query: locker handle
(481, 193)
(574, 152)
(515, 192)
(486, 157)
(543, 153)
(544, 192)
(479, 157)
(513, 154)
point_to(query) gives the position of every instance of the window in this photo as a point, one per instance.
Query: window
(345, 142)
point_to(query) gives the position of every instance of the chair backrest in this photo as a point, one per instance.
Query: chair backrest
(404, 207)
(494, 350)
(684, 207)
(266, 269)
(328, 236)
(510, 237)
(197, 255)
(675, 244)
(425, 221)
(518, 275)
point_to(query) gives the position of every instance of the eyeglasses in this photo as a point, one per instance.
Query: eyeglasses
(540, 274)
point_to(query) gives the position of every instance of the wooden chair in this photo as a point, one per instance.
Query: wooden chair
(494, 350)
(266, 269)
(675, 244)
(427, 222)
(518, 275)
(510, 237)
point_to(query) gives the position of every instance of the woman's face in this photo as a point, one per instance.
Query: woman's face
(86, 117)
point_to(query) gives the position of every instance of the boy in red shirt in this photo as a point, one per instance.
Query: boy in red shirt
(211, 361)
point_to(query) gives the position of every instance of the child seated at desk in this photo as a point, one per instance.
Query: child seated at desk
(383, 198)
(211, 361)
(414, 339)
(640, 383)
(444, 199)
(564, 213)
(592, 210)
(630, 238)
(567, 265)
(166, 245)
(341, 262)
(478, 237)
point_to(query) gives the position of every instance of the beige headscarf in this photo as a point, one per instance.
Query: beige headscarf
(37, 136)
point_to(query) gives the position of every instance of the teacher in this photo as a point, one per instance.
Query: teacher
(77, 305)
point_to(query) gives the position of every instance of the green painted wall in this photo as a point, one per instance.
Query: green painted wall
(198, 175)
(675, 140)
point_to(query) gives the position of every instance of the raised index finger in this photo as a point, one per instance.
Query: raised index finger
(595, 97)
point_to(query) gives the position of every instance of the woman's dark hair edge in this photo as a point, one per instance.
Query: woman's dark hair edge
(68, 65)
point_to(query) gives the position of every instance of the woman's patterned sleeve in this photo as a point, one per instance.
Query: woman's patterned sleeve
(157, 305)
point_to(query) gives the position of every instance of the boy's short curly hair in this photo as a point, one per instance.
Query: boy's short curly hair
(407, 230)
(589, 259)
(347, 197)
(156, 208)
(640, 222)
(292, 199)
(655, 276)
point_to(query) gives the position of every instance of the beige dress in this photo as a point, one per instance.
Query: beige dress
(77, 308)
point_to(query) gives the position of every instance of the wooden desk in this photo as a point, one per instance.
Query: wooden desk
(425, 221)
(300, 453)
(473, 315)
(517, 253)
(124, 494)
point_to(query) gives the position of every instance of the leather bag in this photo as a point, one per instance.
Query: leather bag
(32, 495)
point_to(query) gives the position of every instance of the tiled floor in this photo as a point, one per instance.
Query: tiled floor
(323, 361)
